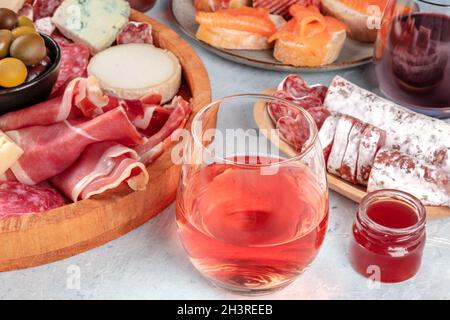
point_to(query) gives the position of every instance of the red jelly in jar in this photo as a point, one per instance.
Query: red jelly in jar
(388, 236)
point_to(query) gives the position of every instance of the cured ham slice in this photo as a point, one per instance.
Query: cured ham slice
(49, 150)
(411, 133)
(350, 159)
(341, 139)
(155, 144)
(372, 140)
(395, 170)
(326, 135)
(101, 167)
(83, 97)
(17, 199)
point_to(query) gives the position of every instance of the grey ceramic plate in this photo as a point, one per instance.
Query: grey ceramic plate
(353, 54)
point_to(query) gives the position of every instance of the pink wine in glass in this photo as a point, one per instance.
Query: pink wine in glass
(244, 229)
(412, 60)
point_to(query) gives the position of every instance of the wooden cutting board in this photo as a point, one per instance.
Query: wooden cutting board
(347, 189)
(42, 238)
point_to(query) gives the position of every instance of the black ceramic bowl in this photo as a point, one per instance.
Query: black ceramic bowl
(36, 90)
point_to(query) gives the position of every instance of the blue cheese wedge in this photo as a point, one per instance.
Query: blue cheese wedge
(131, 71)
(10, 152)
(92, 22)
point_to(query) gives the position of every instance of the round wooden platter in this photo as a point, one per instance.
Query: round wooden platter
(42, 238)
(345, 188)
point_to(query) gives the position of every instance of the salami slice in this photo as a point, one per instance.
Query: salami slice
(296, 87)
(409, 132)
(278, 109)
(372, 140)
(319, 114)
(294, 131)
(395, 170)
(45, 8)
(135, 32)
(74, 62)
(341, 136)
(350, 159)
(326, 135)
(19, 199)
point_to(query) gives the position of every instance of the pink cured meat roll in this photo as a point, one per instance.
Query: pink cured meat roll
(49, 150)
(350, 159)
(101, 167)
(395, 170)
(326, 135)
(372, 140)
(341, 137)
(409, 132)
(17, 199)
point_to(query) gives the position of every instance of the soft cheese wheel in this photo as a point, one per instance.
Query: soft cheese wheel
(131, 71)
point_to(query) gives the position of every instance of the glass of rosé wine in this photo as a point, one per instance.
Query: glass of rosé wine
(252, 211)
(412, 55)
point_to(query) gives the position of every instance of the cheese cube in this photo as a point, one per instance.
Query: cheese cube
(9, 153)
(14, 5)
(92, 22)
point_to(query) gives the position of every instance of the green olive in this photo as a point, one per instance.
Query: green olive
(6, 39)
(30, 48)
(25, 22)
(12, 73)
(17, 32)
(8, 19)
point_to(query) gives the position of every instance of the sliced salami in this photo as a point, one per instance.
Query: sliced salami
(395, 170)
(411, 133)
(296, 87)
(350, 159)
(341, 136)
(45, 8)
(19, 199)
(74, 62)
(372, 140)
(319, 114)
(135, 32)
(326, 134)
(294, 131)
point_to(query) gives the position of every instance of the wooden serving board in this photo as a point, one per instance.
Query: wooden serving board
(345, 188)
(60, 233)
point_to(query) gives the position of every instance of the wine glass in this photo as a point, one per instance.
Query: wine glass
(412, 55)
(252, 211)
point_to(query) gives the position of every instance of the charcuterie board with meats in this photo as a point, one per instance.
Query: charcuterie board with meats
(93, 159)
(369, 143)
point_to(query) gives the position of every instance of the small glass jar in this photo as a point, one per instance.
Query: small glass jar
(388, 236)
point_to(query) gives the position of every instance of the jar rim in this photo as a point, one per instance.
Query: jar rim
(397, 195)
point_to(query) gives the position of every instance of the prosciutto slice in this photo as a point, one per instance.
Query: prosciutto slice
(83, 98)
(101, 167)
(49, 150)
(155, 144)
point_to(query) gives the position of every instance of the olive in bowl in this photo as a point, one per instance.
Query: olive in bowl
(36, 88)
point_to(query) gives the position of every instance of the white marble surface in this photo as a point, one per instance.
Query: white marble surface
(149, 263)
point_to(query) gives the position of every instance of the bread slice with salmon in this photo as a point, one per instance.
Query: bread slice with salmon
(360, 16)
(309, 39)
(215, 5)
(240, 29)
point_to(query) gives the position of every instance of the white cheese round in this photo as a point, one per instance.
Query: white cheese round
(131, 71)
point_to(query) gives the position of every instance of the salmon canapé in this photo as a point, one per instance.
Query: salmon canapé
(362, 6)
(246, 19)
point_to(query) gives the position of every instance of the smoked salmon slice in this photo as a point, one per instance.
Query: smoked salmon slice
(363, 5)
(246, 19)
